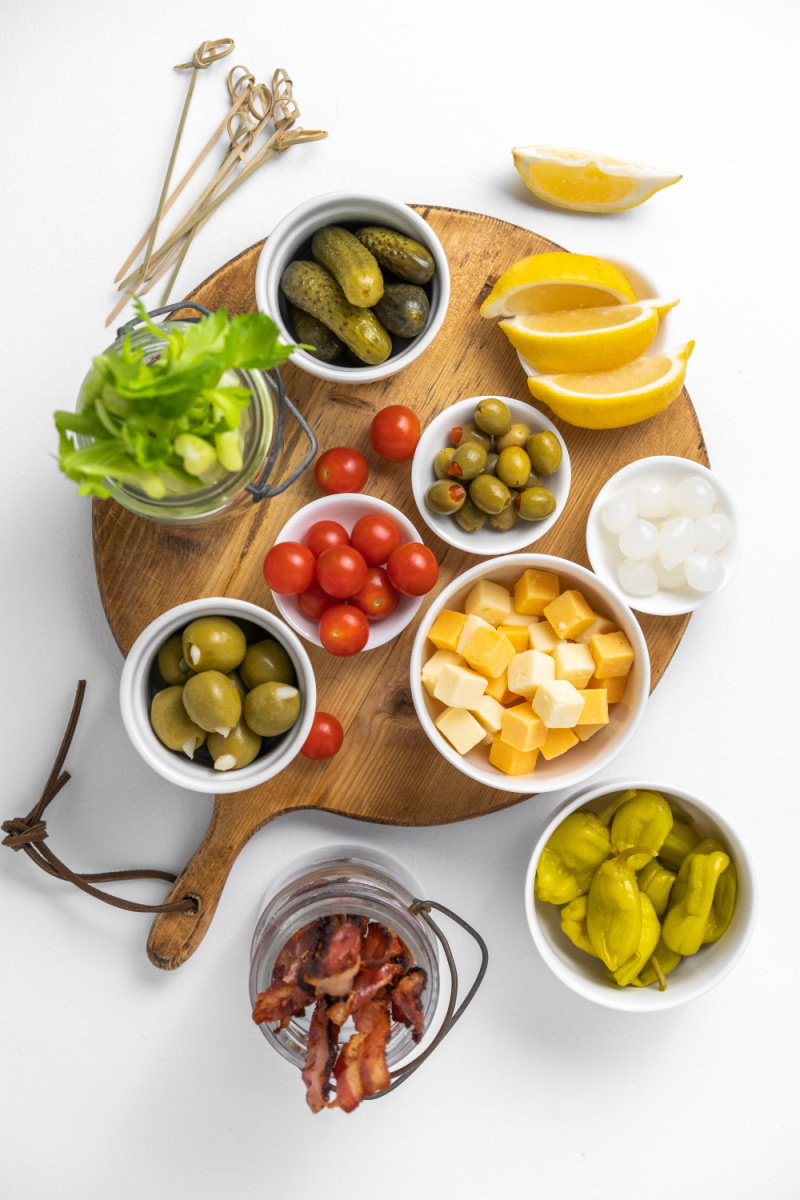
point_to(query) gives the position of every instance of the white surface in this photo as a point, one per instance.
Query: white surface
(122, 1080)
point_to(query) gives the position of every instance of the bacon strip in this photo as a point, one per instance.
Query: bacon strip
(280, 1002)
(406, 1000)
(347, 1073)
(374, 1023)
(367, 983)
(376, 945)
(323, 1036)
(337, 960)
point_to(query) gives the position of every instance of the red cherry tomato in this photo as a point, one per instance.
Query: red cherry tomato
(289, 568)
(375, 538)
(394, 433)
(341, 571)
(341, 470)
(412, 569)
(377, 598)
(325, 534)
(325, 738)
(313, 602)
(343, 630)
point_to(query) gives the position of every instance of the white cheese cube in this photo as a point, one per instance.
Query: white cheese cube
(528, 671)
(433, 667)
(488, 600)
(489, 712)
(459, 687)
(598, 625)
(573, 662)
(518, 618)
(460, 728)
(558, 703)
(472, 623)
(543, 637)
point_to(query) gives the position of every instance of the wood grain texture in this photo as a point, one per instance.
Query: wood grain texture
(387, 771)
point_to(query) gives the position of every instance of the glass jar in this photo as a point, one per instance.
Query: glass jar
(341, 879)
(226, 494)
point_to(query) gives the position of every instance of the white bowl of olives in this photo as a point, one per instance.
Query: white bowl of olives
(217, 695)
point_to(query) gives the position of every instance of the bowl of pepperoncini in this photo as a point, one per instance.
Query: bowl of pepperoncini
(640, 896)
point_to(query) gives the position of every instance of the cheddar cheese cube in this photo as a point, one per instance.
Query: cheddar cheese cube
(584, 732)
(598, 625)
(534, 590)
(470, 625)
(489, 652)
(573, 662)
(527, 671)
(489, 600)
(595, 707)
(461, 729)
(522, 728)
(510, 760)
(569, 614)
(433, 667)
(499, 690)
(612, 653)
(543, 637)
(558, 741)
(558, 703)
(517, 635)
(614, 686)
(446, 629)
(459, 688)
(489, 713)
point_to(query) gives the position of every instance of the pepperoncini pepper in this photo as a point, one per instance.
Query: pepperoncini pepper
(687, 916)
(643, 820)
(722, 905)
(648, 940)
(572, 854)
(573, 923)
(661, 962)
(614, 910)
(679, 842)
(656, 882)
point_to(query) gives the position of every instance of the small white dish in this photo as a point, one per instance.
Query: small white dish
(291, 237)
(137, 687)
(579, 763)
(695, 974)
(488, 540)
(347, 508)
(603, 546)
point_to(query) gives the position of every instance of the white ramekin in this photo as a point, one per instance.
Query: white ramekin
(336, 208)
(136, 691)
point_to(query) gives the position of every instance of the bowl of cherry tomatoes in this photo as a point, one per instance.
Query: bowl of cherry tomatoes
(348, 573)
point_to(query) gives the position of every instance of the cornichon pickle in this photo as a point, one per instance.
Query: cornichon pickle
(310, 331)
(312, 288)
(350, 263)
(398, 253)
(403, 309)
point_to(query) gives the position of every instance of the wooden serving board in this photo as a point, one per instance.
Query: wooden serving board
(387, 771)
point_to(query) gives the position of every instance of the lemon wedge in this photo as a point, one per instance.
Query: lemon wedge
(588, 182)
(554, 281)
(586, 339)
(610, 399)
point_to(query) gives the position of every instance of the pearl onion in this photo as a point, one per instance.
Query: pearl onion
(618, 513)
(704, 572)
(637, 577)
(712, 532)
(675, 541)
(654, 500)
(639, 539)
(694, 497)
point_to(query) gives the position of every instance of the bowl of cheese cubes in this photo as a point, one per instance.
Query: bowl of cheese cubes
(529, 673)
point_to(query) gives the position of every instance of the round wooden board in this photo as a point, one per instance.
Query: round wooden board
(387, 771)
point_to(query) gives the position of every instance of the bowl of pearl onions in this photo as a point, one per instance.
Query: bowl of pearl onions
(664, 533)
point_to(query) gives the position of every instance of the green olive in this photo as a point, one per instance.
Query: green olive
(265, 662)
(236, 680)
(446, 496)
(517, 435)
(489, 494)
(171, 663)
(468, 461)
(506, 519)
(236, 750)
(491, 464)
(492, 416)
(544, 451)
(213, 644)
(212, 701)
(272, 708)
(442, 462)
(513, 466)
(470, 433)
(172, 724)
(534, 504)
(470, 518)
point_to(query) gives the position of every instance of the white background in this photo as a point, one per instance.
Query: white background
(120, 1080)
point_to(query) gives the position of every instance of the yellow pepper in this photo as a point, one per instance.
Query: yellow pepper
(692, 897)
(656, 882)
(614, 911)
(661, 962)
(648, 940)
(573, 923)
(643, 820)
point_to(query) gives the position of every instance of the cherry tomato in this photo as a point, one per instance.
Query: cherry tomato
(377, 598)
(394, 433)
(412, 569)
(375, 538)
(343, 630)
(325, 738)
(341, 571)
(313, 602)
(325, 534)
(341, 470)
(289, 568)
